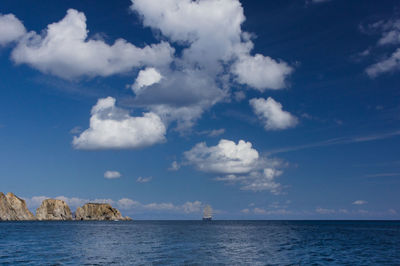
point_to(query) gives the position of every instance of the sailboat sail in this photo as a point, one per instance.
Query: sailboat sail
(207, 213)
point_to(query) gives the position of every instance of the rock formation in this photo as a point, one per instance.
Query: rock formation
(99, 212)
(13, 208)
(54, 210)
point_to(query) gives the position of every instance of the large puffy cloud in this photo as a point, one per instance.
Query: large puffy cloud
(226, 157)
(212, 57)
(11, 29)
(112, 127)
(193, 23)
(271, 113)
(65, 51)
(238, 163)
(177, 87)
(181, 96)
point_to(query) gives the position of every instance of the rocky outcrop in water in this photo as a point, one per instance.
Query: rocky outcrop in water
(53, 210)
(13, 208)
(98, 212)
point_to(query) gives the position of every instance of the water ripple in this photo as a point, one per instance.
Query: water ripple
(196, 242)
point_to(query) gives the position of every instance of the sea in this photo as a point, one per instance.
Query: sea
(200, 243)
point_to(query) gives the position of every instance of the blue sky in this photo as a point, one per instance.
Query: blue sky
(262, 109)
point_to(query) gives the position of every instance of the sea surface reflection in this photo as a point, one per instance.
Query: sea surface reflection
(197, 242)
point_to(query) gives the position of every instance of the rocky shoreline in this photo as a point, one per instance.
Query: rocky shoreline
(13, 208)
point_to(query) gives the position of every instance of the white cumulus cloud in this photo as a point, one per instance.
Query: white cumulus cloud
(177, 87)
(112, 127)
(226, 157)
(112, 174)
(271, 113)
(264, 180)
(193, 22)
(239, 163)
(66, 51)
(261, 72)
(11, 29)
(212, 59)
(146, 77)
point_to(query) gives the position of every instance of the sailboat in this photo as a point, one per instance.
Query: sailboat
(207, 213)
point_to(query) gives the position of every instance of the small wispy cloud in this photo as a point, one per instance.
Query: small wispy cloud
(359, 202)
(383, 175)
(239, 96)
(144, 179)
(75, 130)
(389, 31)
(112, 174)
(245, 211)
(319, 1)
(338, 141)
(325, 211)
(174, 166)
(316, 1)
(213, 132)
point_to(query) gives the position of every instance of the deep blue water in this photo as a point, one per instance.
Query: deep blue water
(197, 242)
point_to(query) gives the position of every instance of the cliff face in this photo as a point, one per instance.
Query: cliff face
(13, 208)
(98, 211)
(53, 209)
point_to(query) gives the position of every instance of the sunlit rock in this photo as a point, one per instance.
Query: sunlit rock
(13, 208)
(99, 212)
(53, 209)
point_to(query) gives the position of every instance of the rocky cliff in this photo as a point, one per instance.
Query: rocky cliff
(13, 208)
(53, 209)
(98, 211)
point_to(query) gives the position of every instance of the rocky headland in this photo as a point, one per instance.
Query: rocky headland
(13, 208)
(54, 210)
(98, 212)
